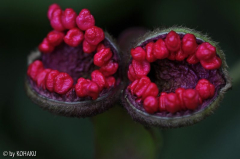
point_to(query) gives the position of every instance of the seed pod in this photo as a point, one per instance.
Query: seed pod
(176, 71)
(60, 90)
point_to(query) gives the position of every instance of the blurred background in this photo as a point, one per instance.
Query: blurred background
(24, 126)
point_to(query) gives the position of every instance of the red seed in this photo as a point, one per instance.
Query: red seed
(85, 19)
(173, 41)
(205, 51)
(160, 50)
(45, 46)
(81, 87)
(205, 89)
(94, 35)
(63, 83)
(150, 104)
(149, 52)
(109, 69)
(55, 37)
(41, 78)
(162, 103)
(100, 47)
(214, 63)
(179, 93)
(50, 79)
(189, 44)
(56, 20)
(180, 55)
(172, 55)
(131, 73)
(102, 57)
(141, 68)
(152, 90)
(142, 86)
(192, 59)
(74, 37)
(172, 103)
(110, 81)
(88, 48)
(34, 68)
(132, 86)
(99, 79)
(93, 90)
(69, 18)
(51, 9)
(191, 99)
(138, 53)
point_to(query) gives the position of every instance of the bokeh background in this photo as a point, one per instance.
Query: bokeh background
(24, 126)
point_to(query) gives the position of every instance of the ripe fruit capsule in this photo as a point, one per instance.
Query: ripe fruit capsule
(205, 89)
(102, 57)
(189, 44)
(55, 37)
(160, 50)
(63, 83)
(50, 79)
(69, 18)
(138, 53)
(206, 51)
(85, 20)
(150, 104)
(34, 68)
(173, 41)
(74, 37)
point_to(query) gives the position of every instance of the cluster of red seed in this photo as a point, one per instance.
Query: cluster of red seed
(73, 29)
(173, 48)
(182, 99)
(61, 83)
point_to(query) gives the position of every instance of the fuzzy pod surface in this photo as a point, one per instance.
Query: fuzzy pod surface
(219, 77)
(72, 106)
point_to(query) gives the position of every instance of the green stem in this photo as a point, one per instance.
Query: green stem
(118, 136)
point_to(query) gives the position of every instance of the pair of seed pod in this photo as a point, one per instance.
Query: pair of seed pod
(170, 78)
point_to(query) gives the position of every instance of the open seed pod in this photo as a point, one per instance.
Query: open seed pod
(176, 77)
(76, 69)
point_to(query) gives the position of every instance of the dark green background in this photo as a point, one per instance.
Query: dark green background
(24, 126)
